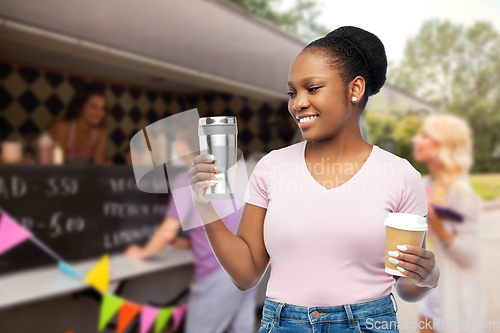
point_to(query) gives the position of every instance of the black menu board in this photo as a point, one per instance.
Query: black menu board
(80, 212)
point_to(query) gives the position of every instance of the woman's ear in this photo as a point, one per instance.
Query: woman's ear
(357, 89)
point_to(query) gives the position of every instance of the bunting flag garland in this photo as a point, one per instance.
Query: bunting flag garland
(162, 318)
(177, 315)
(128, 311)
(98, 277)
(45, 248)
(148, 316)
(109, 307)
(11, 233)
(70, 270)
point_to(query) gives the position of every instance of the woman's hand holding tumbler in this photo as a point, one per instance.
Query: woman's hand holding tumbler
(202, 174)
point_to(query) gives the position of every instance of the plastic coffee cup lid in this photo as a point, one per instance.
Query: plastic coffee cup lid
(406, 221)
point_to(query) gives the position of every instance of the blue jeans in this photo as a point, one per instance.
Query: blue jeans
(374, 316)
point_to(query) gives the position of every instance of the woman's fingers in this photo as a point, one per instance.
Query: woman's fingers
(415, 262)
(203, 159)
(202, 174)
(202, 164)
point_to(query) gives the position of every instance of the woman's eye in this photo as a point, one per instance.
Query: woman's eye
(290, 93)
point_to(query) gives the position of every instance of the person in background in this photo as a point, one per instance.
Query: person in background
(215, 304)
(81, 134)
(180, 241)
(444, 143)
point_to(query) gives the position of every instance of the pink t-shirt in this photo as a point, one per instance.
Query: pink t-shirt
(327, 247)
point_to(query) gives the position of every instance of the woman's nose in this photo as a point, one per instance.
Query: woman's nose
(300, 102)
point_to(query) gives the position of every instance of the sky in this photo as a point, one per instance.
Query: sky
(394, 21)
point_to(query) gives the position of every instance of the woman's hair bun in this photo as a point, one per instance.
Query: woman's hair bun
(372, 50)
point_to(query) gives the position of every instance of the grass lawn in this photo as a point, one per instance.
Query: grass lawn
(487, 186)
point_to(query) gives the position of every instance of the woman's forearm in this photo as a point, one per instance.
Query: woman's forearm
(437, 227)
(160, 240)
(410, 292)
(231, 251)
(444, 235)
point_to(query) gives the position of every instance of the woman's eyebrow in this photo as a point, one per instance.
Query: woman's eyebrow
(305, 79)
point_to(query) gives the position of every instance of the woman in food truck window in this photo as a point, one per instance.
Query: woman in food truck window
(81, 133)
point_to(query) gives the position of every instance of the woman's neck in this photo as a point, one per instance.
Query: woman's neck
(83, 125)
(434, 168)
(345, 147)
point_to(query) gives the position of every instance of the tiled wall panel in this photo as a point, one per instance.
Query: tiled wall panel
(31, 99)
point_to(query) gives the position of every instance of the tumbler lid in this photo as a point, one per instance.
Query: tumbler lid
(218, 120)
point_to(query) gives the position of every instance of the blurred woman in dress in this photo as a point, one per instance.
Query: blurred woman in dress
(444, 143)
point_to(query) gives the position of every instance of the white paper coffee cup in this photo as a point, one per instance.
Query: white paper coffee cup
(402, 228)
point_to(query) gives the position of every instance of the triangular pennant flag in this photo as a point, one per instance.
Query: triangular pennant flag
(148, 316)
(177, 316)
(162, 318)
(128, 311)
(11, 233)
(110, 304)
(98, 277)
(70, 270)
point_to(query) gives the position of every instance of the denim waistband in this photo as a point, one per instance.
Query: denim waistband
(345, 312)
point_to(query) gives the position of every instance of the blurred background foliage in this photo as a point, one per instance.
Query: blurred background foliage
(299, 20)
(458, 69)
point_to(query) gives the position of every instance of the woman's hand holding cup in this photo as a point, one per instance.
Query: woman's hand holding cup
(417, 263)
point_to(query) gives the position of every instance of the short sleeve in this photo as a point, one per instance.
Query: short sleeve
(256, 192)
(179, 184)
(413, 198)
(171, 209)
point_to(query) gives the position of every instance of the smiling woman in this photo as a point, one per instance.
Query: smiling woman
(322, 226)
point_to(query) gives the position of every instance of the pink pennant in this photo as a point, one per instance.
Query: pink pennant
(11, 233)
(177, 316)
(148, 316)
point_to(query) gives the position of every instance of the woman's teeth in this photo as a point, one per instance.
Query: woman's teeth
(306, 119)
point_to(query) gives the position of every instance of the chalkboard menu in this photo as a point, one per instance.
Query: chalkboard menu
(80, 212)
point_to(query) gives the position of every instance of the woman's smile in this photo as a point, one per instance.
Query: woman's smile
(306, 122)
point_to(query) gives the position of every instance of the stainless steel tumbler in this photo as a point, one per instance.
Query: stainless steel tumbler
(218, 136)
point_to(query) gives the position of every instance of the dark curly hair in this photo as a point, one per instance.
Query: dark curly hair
(82, 95)
(355, 52)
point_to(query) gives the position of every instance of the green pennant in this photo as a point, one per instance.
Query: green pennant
(162, 318)
(109, 307)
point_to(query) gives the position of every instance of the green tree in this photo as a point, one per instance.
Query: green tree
(407, 127)
(299, 21)
(397, 127)
(458, 68)
(380, 126)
